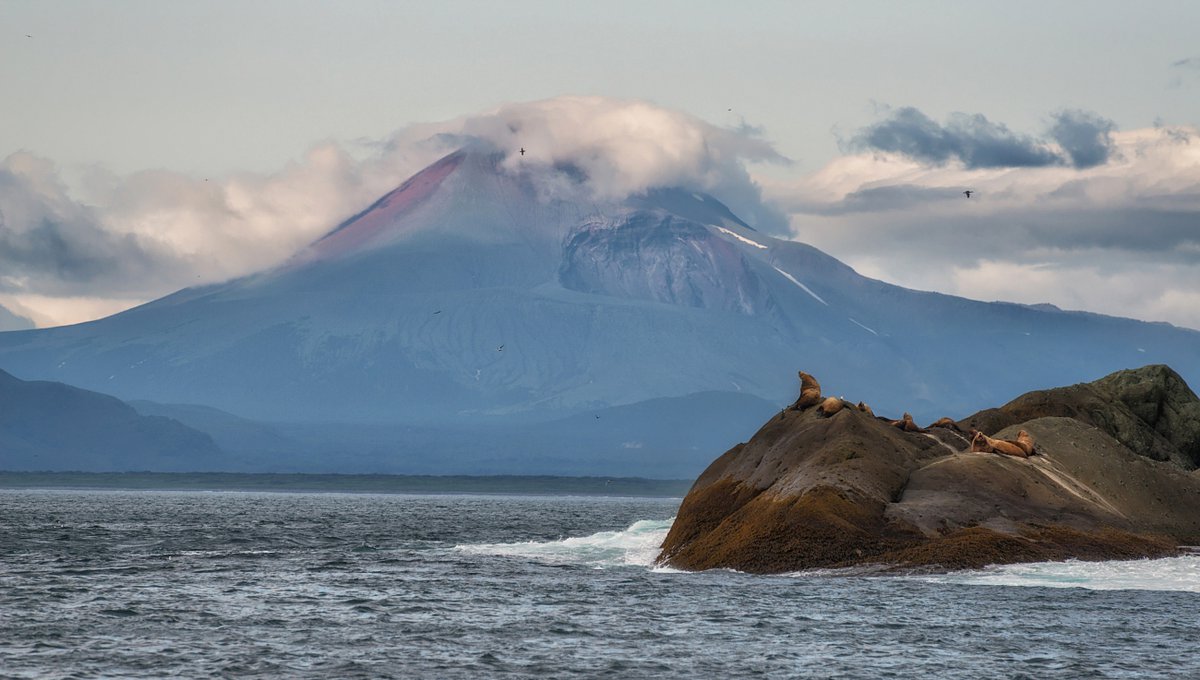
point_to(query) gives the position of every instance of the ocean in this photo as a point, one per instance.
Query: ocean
(315, 585)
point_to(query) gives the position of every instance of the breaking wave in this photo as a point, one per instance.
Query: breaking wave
(635, 546)
(1180, 574)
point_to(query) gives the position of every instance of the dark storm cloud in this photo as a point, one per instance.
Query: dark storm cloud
(970, 138)
(73, 254)
(60, 246)
(1085, 137)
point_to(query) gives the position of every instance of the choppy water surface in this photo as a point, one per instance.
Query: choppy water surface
(332, 585)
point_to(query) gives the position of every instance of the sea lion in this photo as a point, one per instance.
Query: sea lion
(947, 423)
(981, 443)
(810, 392)
(906, 423)
(866, 409)
(1025, 441)
(831, 406)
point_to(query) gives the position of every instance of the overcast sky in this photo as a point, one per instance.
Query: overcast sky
(149, 145)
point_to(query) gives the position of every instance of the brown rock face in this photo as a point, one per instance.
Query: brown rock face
(812, 492)
(1151, 410)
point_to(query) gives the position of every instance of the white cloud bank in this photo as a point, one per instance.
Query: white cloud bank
(1110, 223)
(1122, 237)
(79, 249)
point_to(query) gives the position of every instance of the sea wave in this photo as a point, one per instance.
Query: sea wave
(1181, 574)
(637, 545)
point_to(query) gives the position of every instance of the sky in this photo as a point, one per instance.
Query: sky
(146, 146)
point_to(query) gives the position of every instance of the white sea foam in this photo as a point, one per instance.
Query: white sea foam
(1169, 574)
(635, 546)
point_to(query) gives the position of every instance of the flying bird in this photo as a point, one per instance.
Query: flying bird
(438, 312)
(28, 36)
(968, 193)
(500, 348)
(522, 151)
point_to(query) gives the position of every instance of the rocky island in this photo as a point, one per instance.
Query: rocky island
(1102, 470)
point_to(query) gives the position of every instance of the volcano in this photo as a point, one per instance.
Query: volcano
(491, 316)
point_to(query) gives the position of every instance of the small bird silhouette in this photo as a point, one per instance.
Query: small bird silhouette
(438, 312)
(28, 36)
(968, 193)
(522, 151)
(500, 348)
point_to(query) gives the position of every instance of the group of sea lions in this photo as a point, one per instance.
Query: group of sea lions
(810, 395)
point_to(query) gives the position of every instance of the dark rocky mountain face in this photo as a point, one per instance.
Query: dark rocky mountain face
(661, 258)
(51, 426)
(850, 489)
(472, 296)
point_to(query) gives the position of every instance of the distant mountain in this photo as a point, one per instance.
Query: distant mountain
(52, 426)
(662, 439)
(484, 295)
(13, 322)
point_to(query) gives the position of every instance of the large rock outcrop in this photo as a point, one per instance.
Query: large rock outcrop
(1111, 479)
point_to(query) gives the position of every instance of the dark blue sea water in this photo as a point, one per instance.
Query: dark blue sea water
(152, 584)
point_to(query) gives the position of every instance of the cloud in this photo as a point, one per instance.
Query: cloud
(970, 138)
(1081, 139)
(622, 147)
(1117, 237)
(77, 243)
(51, 241)
(1085, 137)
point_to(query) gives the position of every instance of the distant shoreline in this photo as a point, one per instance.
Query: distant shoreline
(348, 483)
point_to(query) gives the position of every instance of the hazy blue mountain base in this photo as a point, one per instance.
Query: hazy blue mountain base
(51, 426)
(664, 439)
(13, 322)
(471, 321)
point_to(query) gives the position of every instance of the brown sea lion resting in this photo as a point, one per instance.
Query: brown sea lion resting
(810, 392)
(866, 409)
(1025, 441)
(981, 443)
(831, 406)
(906, 423)
(946, 423)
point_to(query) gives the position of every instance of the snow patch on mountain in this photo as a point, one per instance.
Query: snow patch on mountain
(805, 288)
(739, 237)
(856, 323)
